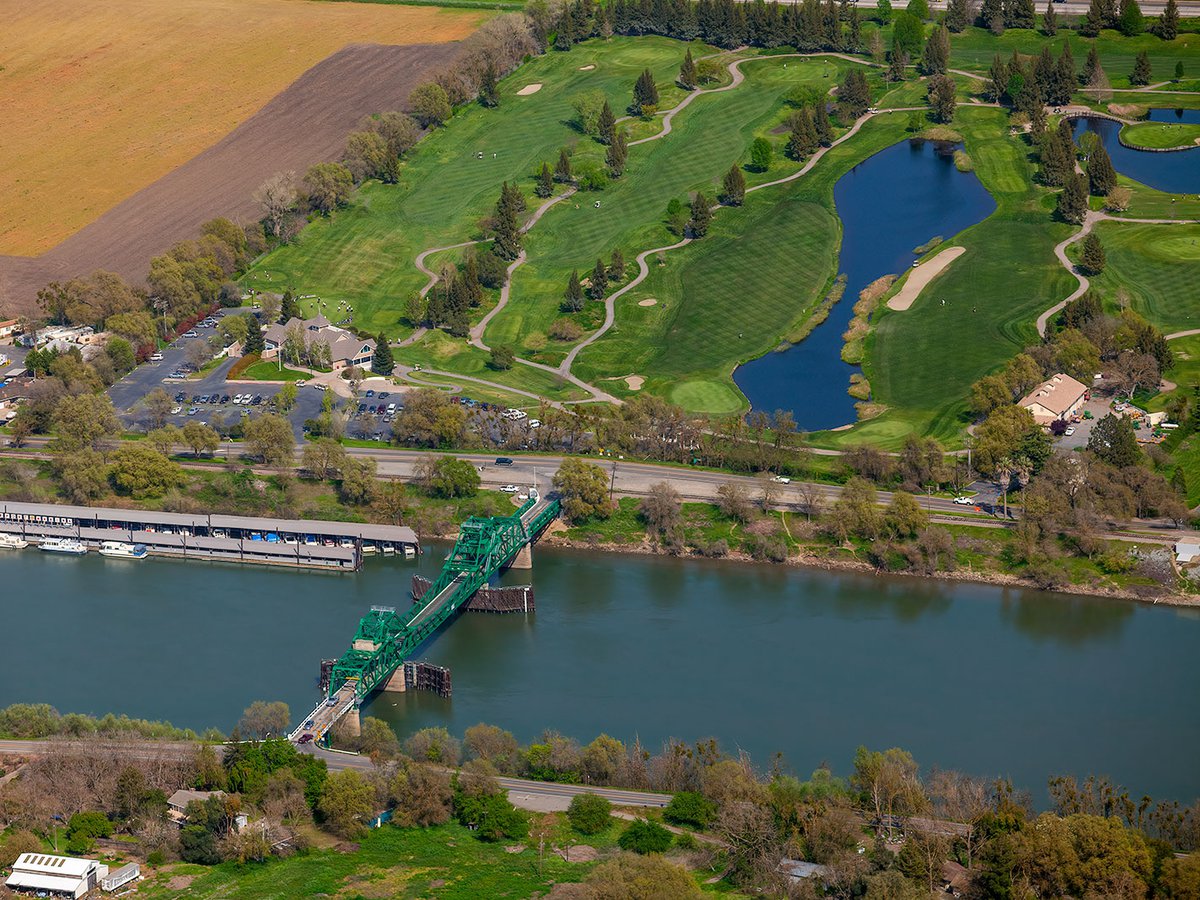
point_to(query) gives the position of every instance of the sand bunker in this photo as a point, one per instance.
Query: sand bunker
(922, 275)
(649, 301)
(586, 68)
(530, 89)
(634, 382)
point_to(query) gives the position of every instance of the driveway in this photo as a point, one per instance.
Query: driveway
(1099, 408)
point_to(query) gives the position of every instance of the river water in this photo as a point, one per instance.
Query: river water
(889, 204)
(1177, 172)
(804, 662)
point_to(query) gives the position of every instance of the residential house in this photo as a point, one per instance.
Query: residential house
(1061, 397)
(9, 327)
(345, 348)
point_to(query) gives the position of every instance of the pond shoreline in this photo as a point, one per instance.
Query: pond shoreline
(808, 561)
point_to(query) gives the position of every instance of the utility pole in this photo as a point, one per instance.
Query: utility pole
(612, 481)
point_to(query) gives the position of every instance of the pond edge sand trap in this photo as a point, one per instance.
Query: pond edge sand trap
(530, 89)
(634, 382)
(919, 277)
(649, 301)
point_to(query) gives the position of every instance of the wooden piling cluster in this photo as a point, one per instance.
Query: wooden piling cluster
(514, 599)
(422, 676)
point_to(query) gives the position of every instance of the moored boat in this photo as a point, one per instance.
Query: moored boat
(12, 541)
(123, 550)
(64, 545)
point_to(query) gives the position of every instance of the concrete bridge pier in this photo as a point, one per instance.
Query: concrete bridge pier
(352, 722)
(523, 559)
(396, 683)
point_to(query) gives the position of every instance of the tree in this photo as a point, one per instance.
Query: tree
(277, 197)
(733, 188)
(488, 95)
(888, 783)
(918, 8)
(822, 125)
(328, 185)
(690, 808)
(937, 52)
(761, 154)
(346, 802)
(606, 124)
(883, 11)
(997, 81)
(583, 490)
(1178, 70)
(262, 719)
(617, 154)
(904, 517)
(120, 352)
(358, 483)
(1092, 259)
(1019, 14)
(643, 836)
(660, 509)
(616, 269)
(701, 216)
(453, 477)
(941, 97)
(501, 358)
(1050, 20)
(562, 168)
(141, 471)
(254, 339)
(1072, 200)
(645, 95)
(1130, 21)
(200, 438)
(991, 16)
(323, 457)
(269, 439)
(687, 71)
(429, 104)
(1142, 73)
(958, 15)
(1095, 19)
(81, 474)
(1114, 441)
(589, 813)
(506, 242)
(285, 399)
(1168, 24)
(854, 94)
(158, 406)
(545, 181)
(908, 35)
(598, 286)
(85, 421)
(367, 156)
(573, 295)
(382, 362)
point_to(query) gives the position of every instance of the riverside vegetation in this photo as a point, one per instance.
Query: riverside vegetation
(885, 829)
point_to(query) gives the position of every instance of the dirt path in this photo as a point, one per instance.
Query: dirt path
(920, 276)
(1183, 334)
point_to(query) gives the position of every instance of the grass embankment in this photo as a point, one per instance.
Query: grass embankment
(85, 86)
(1161, 135)
(269, 370)
(364, 254)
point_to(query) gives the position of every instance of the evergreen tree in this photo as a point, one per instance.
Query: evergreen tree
(1102, 177)
(1094, 20)
(507, 231)
(645, 94)
(854, 94)
(854, 37)
(1142, 72)
(382, 362)
(598, 287)
(489, 96)
(616, 269)
(919, 8)
(545, 181)
(1131, 22)
(1037, 121)
(1019, 14)
(733, 188)
(1168, 21)
(606, 124)
(941, 97)
(1062, 85)
(761, 154)
(803, 139)
(254, 337)
(687, 72)
(1179, 70)
(511, 194)
(564, 39)
(617, 154)
(573, 296)
(562, 169)
(1092, 67)
(1072, 200)
(470, 280)
(1044, 72)
(1092, 260)
(1050, 20)
(997, 83)
(822, 125)
(991, 16)
(958, 15)
(937, 52)
(289, 309)
(897, 63)
(1179, 482)
(1057, 157)
(1114, 441)
(701, 217)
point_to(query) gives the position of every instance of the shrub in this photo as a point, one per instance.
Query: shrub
(589, 813)
(565, 330)
(236, 370)
(156, 858)
(690, 808)
(644, 836)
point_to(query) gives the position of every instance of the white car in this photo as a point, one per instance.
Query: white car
(509, 488)
(535, 423)
(781, 479)
(237, 399)
(965, 501)
(156, 357)
(176, 410)
(1070, 431)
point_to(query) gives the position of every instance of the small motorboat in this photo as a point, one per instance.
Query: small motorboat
(123, 550)
(63, 545)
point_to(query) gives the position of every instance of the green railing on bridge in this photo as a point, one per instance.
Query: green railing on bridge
(386, 638)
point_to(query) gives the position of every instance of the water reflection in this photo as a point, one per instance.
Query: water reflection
(1066, 620)
(1177, 172)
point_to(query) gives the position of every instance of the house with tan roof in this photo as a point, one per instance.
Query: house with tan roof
(1060, 397)
(344, 347)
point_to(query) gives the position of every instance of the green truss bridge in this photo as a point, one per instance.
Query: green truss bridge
(386, 638)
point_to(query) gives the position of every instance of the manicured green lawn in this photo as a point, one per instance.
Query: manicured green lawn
(1159, 267)
(364, 253)
(269, 370)
(1161, 135)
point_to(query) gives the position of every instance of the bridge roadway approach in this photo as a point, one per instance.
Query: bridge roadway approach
(386, 638)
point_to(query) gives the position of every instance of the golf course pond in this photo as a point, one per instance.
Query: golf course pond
(805, 662)
(1176, 172)
(889, 204)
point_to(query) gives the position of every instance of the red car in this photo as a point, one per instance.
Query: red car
(305, 738)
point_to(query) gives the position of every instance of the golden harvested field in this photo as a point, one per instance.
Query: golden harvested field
(99, 100)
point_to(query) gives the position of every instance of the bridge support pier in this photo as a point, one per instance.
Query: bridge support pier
(352, 722)
(397, 682)
(523, 559)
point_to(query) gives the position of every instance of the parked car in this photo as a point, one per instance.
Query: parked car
(965, 501)
(509, 488)
(156, 357)
(257, 401)
(1070, 431)
(176, 410)
(781, 479)
(370, 393)
(383, 395)
(503, 461)
(224, 398)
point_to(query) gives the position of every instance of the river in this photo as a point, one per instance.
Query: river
(805, 662)
(1177, 172)
(888, 204)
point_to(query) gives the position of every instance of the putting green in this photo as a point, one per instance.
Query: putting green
(705, 397)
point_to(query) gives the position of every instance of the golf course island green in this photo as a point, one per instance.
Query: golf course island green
(1161, 135)
(613, 289)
